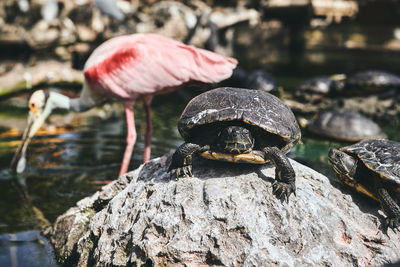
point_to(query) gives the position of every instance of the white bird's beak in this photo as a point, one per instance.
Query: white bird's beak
(35, 121)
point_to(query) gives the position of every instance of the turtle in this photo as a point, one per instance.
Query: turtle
(372, 167)
(371, 81)
(256, 79)
(344, 125)
(314, 89)
(238, 125)
(261, 80)
(237, 79)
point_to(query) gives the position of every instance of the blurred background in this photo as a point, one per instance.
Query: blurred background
(308, 52)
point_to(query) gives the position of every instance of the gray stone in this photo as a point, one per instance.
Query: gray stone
(225, 215)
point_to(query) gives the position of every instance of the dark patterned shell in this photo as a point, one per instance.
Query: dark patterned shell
(261, 80)
(319, 85)
(253, 107)
(345, 125)
(381, 156)
(372, 81)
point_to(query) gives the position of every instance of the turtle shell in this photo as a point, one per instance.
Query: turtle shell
(345, 125)
(253, 107)
(372, 81)
(380, 156)
(261, 80)
(320, 85)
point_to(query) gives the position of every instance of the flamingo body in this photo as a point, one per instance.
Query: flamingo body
(128, 67)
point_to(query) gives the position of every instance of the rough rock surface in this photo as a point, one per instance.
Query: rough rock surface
(381, 107)
(224, 215)
(44, 74)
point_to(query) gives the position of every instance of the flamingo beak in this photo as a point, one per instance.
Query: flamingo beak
(35, 121)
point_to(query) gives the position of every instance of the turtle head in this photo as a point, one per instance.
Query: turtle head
(343, 164)
(338, 82)
(235, 140)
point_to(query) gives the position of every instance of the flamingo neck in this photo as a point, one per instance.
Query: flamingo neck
(88, 99)
(57, 100)
(77, 105)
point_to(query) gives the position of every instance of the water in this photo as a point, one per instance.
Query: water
(26, 248)
(64, 161)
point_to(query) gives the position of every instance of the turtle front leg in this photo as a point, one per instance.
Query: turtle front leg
(391, 209)
(284, 173)
(181, 164)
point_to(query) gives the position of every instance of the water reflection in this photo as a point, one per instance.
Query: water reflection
(62, 162)
(25, 249)
(314, 154)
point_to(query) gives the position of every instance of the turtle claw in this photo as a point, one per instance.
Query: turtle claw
(283, 190)
(182, 172)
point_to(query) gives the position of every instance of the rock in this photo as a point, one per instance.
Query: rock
(85, 33)
(233, 16)
(44, 73)
(376, 106)
(225, 215)
(43, 34)
(380, 107)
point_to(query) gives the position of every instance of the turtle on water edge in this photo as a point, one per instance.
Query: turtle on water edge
(371, 81)
(344, 125)
(372, 167)
(241, 126)
(261, 80)
(315, 89)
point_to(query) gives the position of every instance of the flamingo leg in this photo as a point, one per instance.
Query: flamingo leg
(149, 128)
(130, 138)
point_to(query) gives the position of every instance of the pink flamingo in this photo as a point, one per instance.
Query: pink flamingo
(129, 67)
